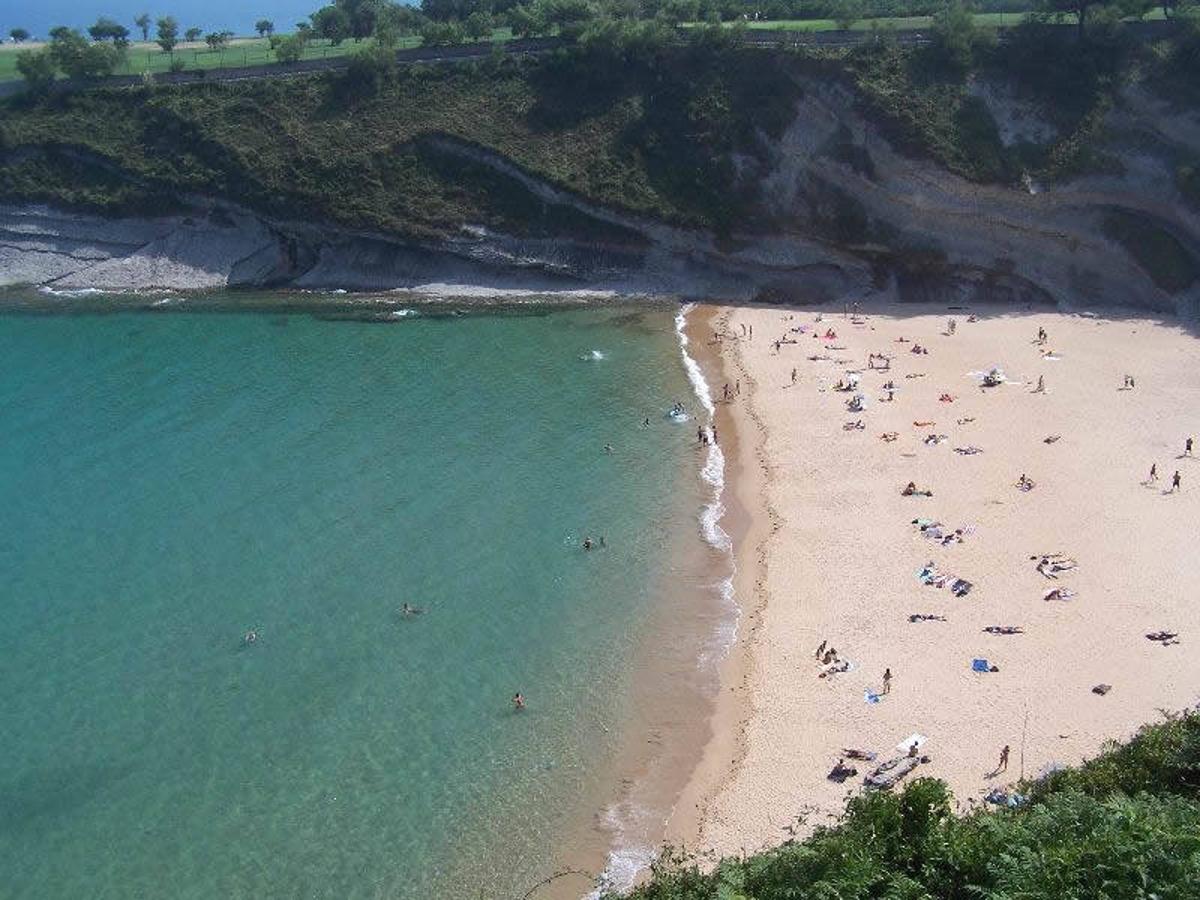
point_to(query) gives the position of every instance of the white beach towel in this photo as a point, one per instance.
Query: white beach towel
(903, 746)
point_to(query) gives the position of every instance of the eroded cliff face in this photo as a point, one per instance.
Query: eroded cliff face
(841, 215)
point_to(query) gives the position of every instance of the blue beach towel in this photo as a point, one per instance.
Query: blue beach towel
(979, 665)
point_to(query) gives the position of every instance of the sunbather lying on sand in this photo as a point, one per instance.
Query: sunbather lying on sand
(1049, 565)
(834, 668)
(969, 450)
(934, 439)
(925, 617)
(911, 490)
(1050, 439)
(915, 375)
(854, 426)
(1004, 629)
(890, 436)
(1166, 638)
(854, 753)
(1058, 593)
(841, 771)
(946, 398)
(966, 421)
(924, 424)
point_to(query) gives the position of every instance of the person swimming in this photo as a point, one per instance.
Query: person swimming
(408, 610)
(518, 700)
(250, 637)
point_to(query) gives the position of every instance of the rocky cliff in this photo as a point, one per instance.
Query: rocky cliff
(840, 214)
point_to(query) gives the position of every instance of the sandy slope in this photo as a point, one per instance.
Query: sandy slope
(842, 565)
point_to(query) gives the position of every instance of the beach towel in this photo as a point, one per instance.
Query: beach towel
(871, 697)
(916, 737)
(979, 665)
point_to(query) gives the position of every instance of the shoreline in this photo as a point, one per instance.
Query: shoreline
(750, 522)
(777, 729)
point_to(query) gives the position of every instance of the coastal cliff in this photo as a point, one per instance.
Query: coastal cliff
(816, 194)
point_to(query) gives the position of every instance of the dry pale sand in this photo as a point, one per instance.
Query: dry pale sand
(841, 564)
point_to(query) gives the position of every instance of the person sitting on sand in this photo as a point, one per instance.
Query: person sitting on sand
(909, 489)
(820, 649)
(912, 750)
(946, 398)
(1024, 483)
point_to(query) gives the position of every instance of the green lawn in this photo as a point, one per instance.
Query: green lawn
(147, 57)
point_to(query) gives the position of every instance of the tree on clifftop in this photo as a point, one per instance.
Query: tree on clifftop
(76, 57)
(168, 34)
(106, 29)
(143, 22)
(264, 27)
(847, 12)
(37, 68)
(192, 35)
(18, 35)
(331, 22)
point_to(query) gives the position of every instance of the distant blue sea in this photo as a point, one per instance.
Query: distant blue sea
(170, 482)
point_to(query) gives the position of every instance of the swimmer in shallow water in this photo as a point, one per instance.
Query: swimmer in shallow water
(518, 701)
(250, 637)
(408, 610)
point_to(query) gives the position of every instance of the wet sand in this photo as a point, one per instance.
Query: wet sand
(827, 552)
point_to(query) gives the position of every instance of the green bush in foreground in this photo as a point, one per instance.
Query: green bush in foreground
(1126, 824)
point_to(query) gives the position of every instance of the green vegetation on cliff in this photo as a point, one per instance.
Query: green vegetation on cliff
(1125, 825)
(627, 119)
(652, 130)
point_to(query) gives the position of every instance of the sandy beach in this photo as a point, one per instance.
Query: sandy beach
(828, 551)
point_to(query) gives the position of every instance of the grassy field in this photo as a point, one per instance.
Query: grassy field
(148, 57)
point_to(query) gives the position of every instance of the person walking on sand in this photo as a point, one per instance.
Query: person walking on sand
(793, 376)
(1003, 767)
(1153, 473)
(821, 649)
(518, 701)
(1175, 482)
(1041, 385)
(714, 432)
(887, 681)
(1187, 447)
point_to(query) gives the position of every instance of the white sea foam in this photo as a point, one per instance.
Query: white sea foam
(70, 292)
(403, 313)
(167, 301)
(630, 856)
(593, 356)
(628, 859)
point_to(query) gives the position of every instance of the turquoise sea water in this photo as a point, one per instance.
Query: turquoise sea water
(170, 481)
